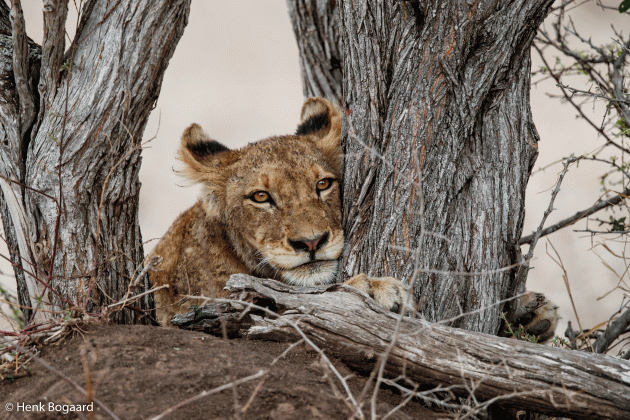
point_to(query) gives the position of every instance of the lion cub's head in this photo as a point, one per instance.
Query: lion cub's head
(279, 198)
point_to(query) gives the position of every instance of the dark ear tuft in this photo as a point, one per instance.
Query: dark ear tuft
(206, 148)
(321, 121)
(199, 145)
(313, 124)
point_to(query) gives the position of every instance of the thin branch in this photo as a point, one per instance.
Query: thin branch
(61, 375)
(35, 277)
(249, 306)
(617, 80)
(524, 268)
(614, 330)
(428, 396)
(402, 404)
(565, 277)
(136, 296)
(417, 184)
(284, 353)
(212, 391)
(592, 94)
(153, 262)
(21, 184)
(577, 107)
(501, 302)
(601, 204)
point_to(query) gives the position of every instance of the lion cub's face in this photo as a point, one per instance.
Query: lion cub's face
(279, 198)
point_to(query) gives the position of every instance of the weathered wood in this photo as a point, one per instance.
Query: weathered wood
(349, 325)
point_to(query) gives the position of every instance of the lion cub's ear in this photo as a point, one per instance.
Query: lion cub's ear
(201, 155)
(322, 120)
(200, 146)
(206, 161)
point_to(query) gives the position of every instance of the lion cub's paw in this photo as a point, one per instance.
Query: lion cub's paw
(386, 291)
(537, 315)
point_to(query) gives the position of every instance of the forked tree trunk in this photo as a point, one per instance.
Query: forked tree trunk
(72, 127)
(439, 141)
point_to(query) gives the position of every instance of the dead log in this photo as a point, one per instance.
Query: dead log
(349, 325)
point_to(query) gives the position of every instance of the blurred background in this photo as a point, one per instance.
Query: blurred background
(236, 73)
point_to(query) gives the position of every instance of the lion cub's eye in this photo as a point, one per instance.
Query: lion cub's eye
(324, 184)
(261, 197)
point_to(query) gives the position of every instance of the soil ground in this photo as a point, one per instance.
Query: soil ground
(140, 371)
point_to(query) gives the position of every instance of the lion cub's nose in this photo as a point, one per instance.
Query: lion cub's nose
(310, 244)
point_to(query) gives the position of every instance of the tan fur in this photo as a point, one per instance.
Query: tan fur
(228, 232)
(297, 238)
(536, 315)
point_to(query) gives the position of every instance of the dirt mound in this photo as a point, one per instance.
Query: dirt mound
(139, 372)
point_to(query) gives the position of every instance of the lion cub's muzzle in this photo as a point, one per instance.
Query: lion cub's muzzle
(313, 260)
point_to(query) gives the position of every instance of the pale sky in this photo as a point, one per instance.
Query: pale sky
(236, 73)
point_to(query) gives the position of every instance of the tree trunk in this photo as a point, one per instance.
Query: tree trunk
(439, 146)
(316, 27)
(73, 127)
(349, 325)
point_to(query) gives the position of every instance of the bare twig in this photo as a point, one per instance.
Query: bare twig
(248, 306)
(501, 302)
(284, 353)
(61, 375)
(600, 205)
(577, 107)
(614, 330)
(618, 89)
(524, 268)
(402, 404)
(565, 277)
(592, 94)
(210, 392)
(44, 283)
(380, 368)
(153, 262)
(255, 392)
(382, 361)
(123, 302)
(21, 184)
(429, 396)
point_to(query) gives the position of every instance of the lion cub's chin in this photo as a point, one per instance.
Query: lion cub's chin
(311, 274)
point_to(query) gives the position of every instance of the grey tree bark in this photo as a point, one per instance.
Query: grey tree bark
(71, 125)
(316, 26)
(439, 142)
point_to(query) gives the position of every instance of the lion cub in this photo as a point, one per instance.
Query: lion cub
(271, 209)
